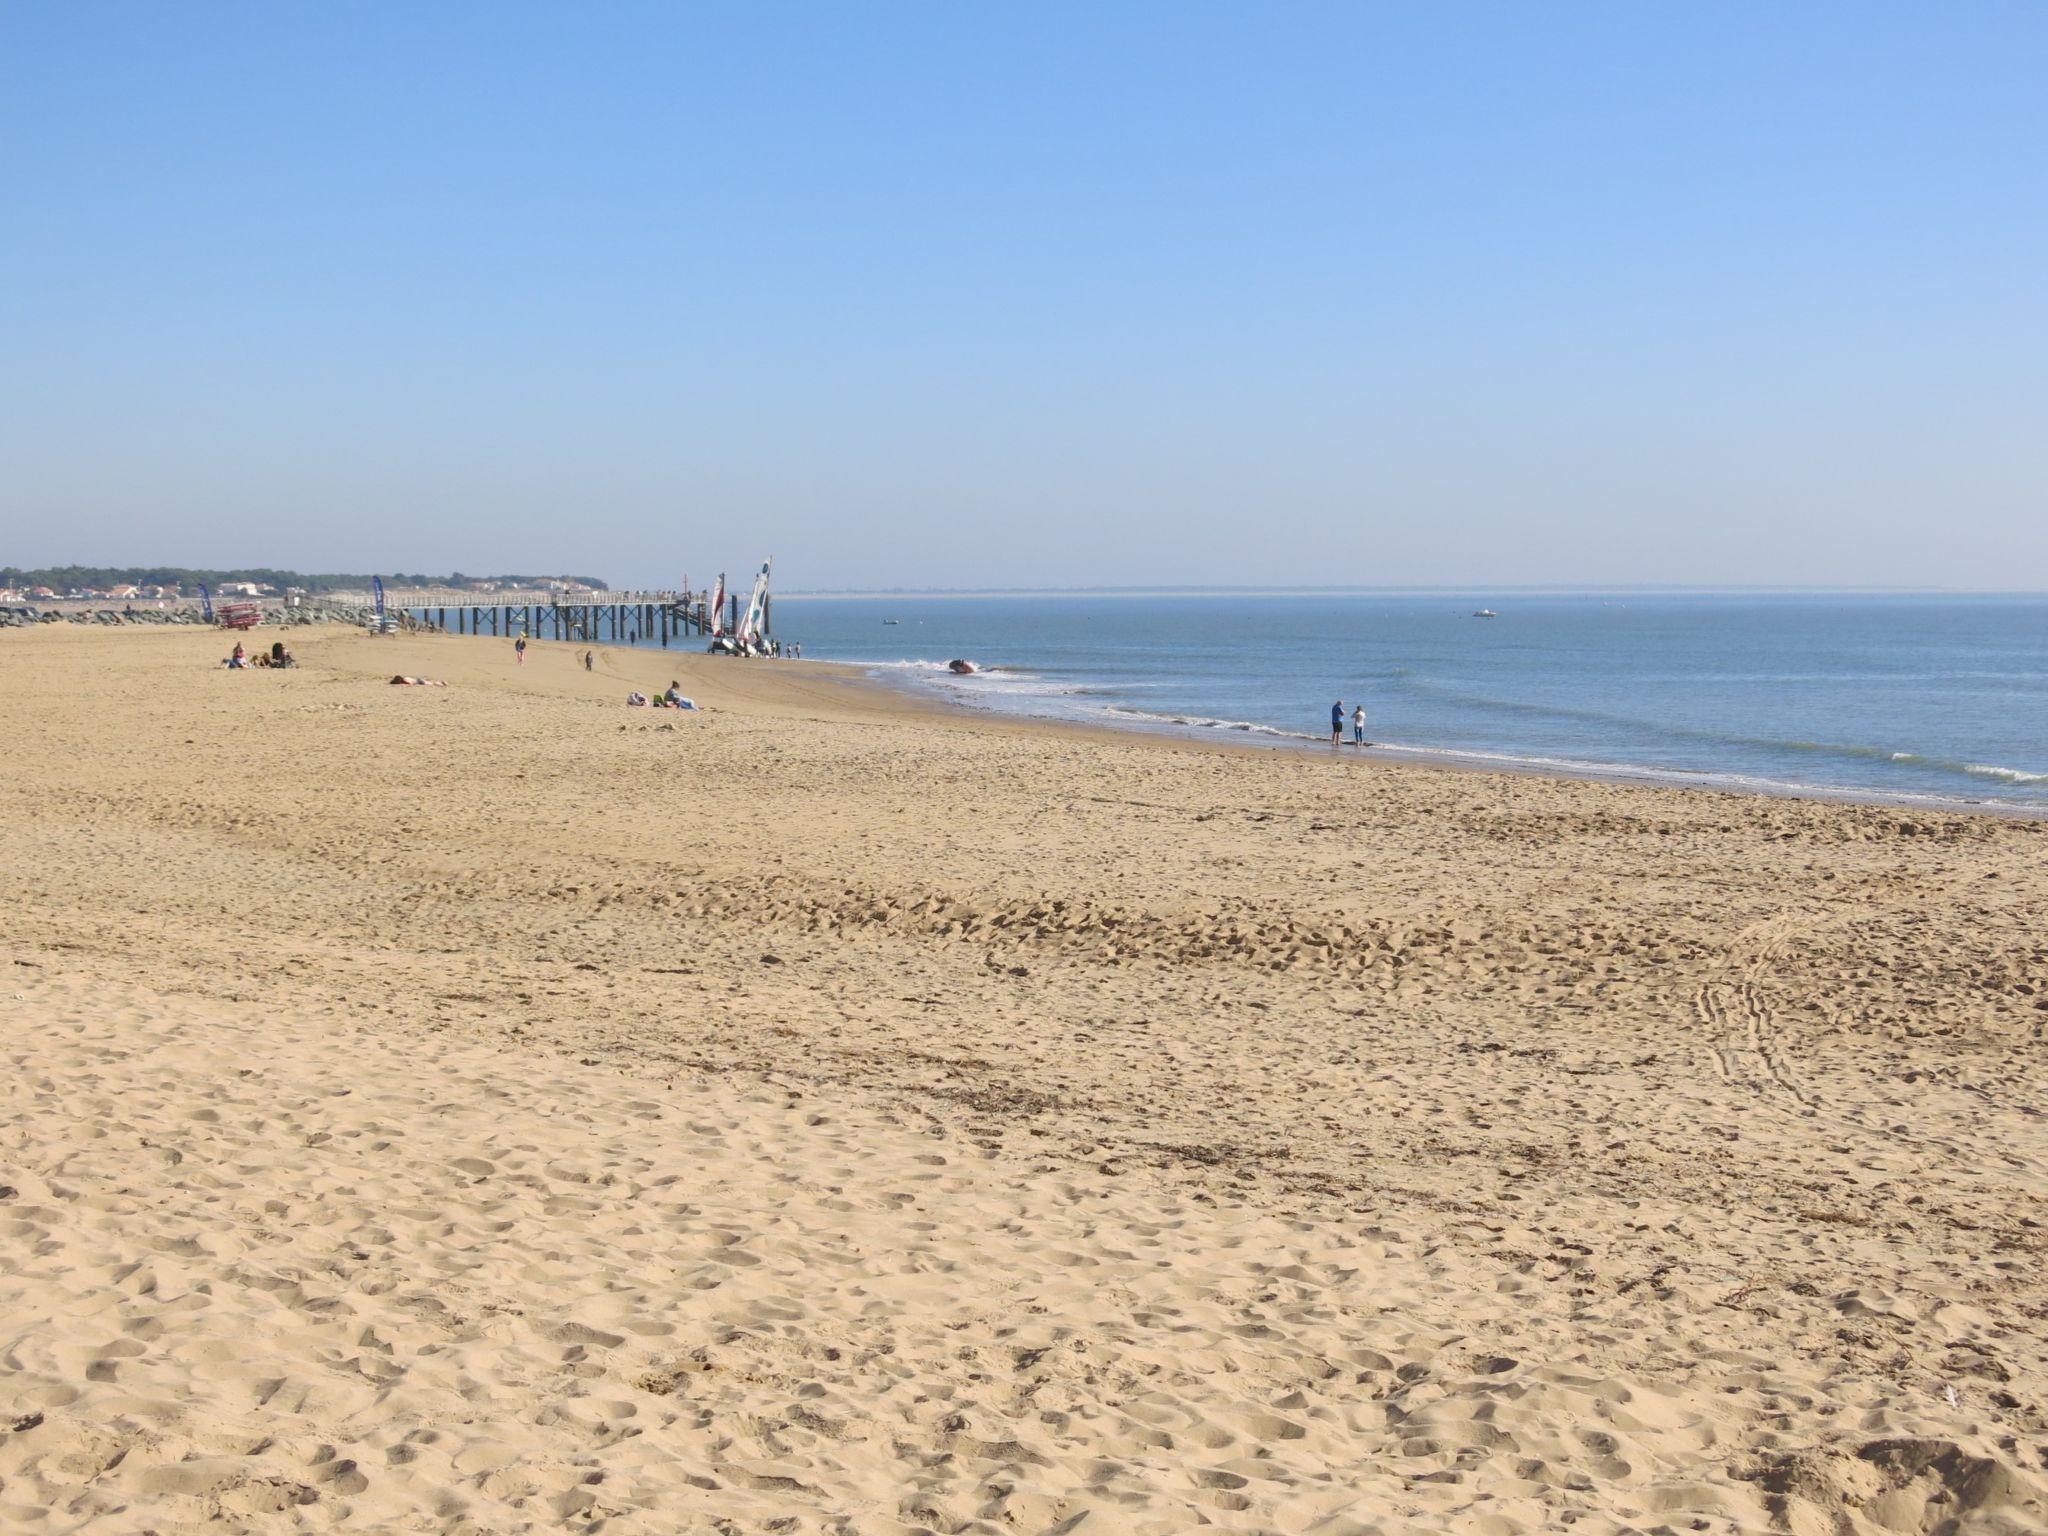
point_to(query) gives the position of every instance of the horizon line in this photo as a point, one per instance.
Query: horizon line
(1448, 590)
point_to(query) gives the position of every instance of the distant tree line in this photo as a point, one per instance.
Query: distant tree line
(65, 578)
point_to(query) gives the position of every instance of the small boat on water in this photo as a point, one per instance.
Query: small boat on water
(892, 621)
(1484, 613)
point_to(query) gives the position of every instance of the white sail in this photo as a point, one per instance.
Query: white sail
(718, 609)
(749, 635)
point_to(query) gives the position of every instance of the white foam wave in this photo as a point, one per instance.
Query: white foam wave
(995, 680)
(2007, 775)
(907, 664)
(1209, 723)
(1707, 778)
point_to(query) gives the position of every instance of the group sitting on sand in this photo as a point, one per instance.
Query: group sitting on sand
(672, 699)
(239, 658)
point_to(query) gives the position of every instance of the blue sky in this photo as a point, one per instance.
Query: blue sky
(1010, 295)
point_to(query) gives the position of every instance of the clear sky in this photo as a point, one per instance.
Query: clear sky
(1010, 294)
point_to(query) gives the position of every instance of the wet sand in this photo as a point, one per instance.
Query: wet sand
(495, 1109)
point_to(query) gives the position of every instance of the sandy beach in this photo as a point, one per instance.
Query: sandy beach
(492, 1109)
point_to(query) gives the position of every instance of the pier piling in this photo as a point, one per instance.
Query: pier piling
(630, 617)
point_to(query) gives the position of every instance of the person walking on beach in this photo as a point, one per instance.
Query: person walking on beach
(586, 661)
(519, 649)
(1337, 724)
(1358, 725)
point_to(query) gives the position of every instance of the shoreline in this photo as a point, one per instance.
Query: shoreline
(1270, 739)
(1917, 700)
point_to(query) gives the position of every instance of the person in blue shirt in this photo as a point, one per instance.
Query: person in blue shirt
(1337, 724)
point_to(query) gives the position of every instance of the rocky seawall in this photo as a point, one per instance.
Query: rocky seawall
(280, 616)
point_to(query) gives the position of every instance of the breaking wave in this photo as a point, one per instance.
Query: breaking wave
(2008, 775)
(1208, 723)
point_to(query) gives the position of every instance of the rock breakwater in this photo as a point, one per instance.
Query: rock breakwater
(24, 616)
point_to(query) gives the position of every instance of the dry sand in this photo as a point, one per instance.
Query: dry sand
(493, 1109)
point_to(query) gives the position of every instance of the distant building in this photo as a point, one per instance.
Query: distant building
(44, 592)
(126, 589)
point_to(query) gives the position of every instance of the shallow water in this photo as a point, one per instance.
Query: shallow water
(1940, 697)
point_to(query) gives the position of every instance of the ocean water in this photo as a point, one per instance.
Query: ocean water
(1934, 698)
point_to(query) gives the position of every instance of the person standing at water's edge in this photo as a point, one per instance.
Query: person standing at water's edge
(1337, 724)
(519, 649)
(1358, 725)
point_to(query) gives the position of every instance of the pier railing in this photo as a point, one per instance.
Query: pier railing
(460, 597)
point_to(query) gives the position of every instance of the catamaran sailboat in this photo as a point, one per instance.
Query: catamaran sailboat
(747, 640)
(718, 645)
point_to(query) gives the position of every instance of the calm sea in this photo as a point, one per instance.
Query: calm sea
(1910, 698)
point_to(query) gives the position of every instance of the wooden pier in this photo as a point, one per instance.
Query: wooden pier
(589, 618)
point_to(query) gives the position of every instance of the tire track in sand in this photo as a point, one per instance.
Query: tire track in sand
(1733, 1003)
